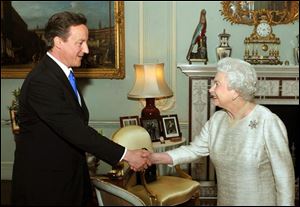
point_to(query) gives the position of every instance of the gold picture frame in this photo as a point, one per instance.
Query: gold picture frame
(129, 120)
(249, 12)
(116, 70)
(14, 124)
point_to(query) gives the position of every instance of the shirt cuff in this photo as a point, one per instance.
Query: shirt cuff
(123, 155)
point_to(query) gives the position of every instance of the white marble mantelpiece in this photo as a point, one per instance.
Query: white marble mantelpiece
(262, 70)
(276, 84)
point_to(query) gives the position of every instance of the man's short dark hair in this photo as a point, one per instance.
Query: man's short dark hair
(59, 25)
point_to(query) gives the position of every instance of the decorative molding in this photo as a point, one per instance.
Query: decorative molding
(141, 32)
(116, 124)
(6, 170)
(167, 103)
(262, 70)
(97, 124)
(277, 88)
(171, 103)
(199, 93)
(5, 122)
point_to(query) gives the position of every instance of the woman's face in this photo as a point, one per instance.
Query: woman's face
(219, 92)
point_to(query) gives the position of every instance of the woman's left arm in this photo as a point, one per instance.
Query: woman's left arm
(279, 154)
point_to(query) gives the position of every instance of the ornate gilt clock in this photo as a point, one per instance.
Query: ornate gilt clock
(262, 45)
(263, 29)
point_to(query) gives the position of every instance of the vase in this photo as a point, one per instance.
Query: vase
(224, 50)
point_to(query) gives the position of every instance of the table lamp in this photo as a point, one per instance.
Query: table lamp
(150, 84)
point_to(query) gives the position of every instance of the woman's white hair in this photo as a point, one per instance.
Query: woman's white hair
(241, 76)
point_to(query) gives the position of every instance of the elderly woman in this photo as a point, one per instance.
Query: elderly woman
(246, 142)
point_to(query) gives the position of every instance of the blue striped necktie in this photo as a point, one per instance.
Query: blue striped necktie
(73, 82)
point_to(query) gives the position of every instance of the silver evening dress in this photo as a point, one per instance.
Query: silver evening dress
(252, 158)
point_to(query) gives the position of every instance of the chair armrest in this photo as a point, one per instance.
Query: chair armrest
(181, 173)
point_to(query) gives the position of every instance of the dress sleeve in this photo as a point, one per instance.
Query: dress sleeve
(278, 151)
(196, 149)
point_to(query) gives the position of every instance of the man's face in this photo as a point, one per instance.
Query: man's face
(73, 49)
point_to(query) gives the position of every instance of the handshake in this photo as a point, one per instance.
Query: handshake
(139, 159)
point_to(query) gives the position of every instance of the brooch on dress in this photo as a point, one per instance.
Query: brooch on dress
(253, 124)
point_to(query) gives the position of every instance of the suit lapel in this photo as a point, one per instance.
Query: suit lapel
(83, 105)
(55, 70)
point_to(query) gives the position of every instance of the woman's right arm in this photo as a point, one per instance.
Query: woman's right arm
(185, 153)
(160, 158)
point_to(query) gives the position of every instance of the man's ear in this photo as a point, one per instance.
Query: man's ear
(57, 42)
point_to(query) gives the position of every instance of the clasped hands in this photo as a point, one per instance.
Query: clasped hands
(138, 159)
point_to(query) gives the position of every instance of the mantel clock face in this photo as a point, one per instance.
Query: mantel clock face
(263, 29)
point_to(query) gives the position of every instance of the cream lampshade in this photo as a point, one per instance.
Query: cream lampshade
(150, 84)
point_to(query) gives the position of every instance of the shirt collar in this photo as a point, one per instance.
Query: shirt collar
(65, 69)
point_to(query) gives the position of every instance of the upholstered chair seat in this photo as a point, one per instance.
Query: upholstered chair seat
(165, 190)
(169, 190)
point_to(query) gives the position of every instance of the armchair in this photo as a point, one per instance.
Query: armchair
(165, 190)
(116, 195)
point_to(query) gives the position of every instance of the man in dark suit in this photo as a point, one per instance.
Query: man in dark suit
(50, 165)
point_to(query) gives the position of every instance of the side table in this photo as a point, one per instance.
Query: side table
(168, 145)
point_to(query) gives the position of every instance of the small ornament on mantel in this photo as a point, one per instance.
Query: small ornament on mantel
(224, 50)
(198, 42)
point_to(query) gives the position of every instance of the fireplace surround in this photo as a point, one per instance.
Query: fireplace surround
(277, 86)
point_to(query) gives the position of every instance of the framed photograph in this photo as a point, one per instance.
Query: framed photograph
(153, 128)
(129, 120)
(170, 126)
(22, 32)
(13, 120)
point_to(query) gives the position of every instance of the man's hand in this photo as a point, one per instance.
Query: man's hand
(138, 159)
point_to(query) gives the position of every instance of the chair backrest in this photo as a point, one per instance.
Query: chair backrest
(103, 187)
(133, 137)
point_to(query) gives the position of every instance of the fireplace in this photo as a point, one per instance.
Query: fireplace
(289, 114)
(278, 89)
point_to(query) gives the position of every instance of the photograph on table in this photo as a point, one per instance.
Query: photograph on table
(170, 126)
(152, 126)
(129, 120)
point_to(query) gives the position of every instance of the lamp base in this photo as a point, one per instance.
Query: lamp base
(150, 111)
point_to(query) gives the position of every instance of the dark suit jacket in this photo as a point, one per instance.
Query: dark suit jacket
(50, 165)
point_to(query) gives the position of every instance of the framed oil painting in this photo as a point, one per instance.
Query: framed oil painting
(22, 34)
